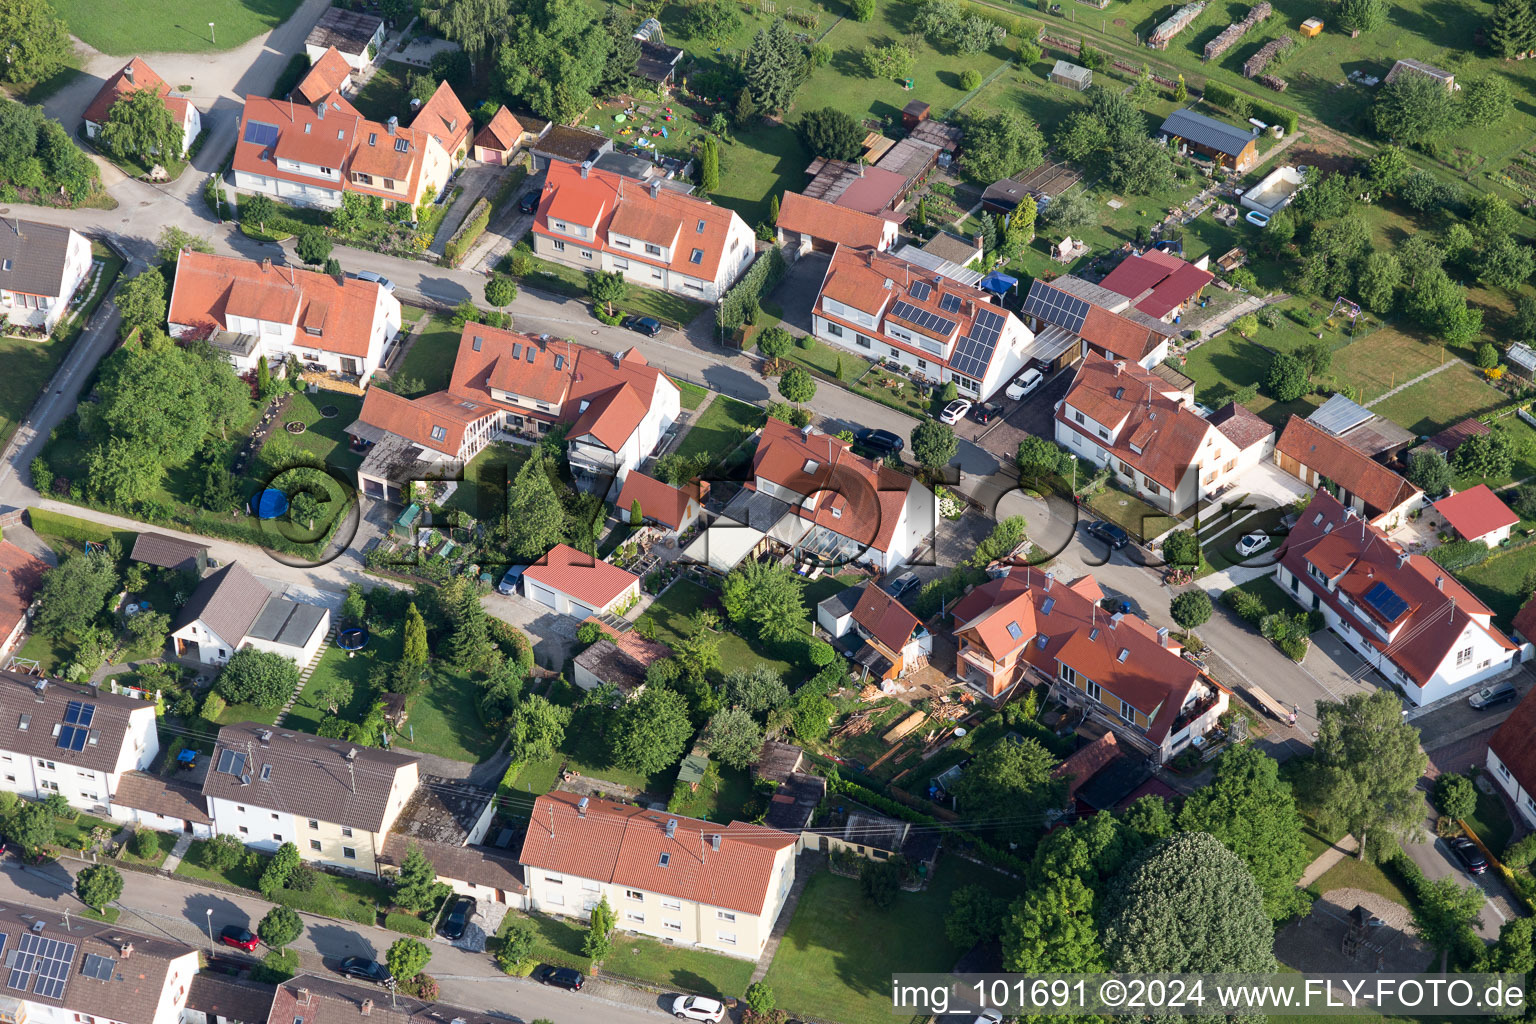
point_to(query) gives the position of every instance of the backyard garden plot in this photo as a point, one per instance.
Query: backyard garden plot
(1439, 401)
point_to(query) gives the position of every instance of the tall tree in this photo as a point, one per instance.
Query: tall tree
(652, 731)
(1369, 763)
(34, 41)
(417, 887)
(1487, 100)
(141, 299)
(934, 444)
(415, 652)
(757, 690)
(998, 145)
(709, 165)
(1415, 108)
(1016, 776)
(1377, 282)
(734, 738)
(774, 66)
(280, 927)
(476, 25)
(554, 56)
(537, 728)
(1512, 30)
(619, 69)
(140, 124)
(1252, 812)
(830, 133)
(535, 514)
(406, 958)
(1189, 905)
(608, 286)
(767, 595)
(1052, 930)
(98, 885)
(1446, 913)
(74, 593)
(1362, 15)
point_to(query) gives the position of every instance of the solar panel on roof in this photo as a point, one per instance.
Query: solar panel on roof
(231, 762)
(98, 967)
(1386, 601)
(72, 737)
(78, 713)
(973, 354)
(949, 302)
(260, 134)
(920, 290)
(1055, 306)
(922, 318)
(49, 959)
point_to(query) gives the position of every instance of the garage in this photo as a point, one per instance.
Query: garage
(581, 611)
(543, 595)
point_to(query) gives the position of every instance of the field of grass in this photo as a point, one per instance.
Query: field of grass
(1500, 582)
(1351, 873)
(678, 968)
(386, 94)
(193, 865)
(674, 611)
(722, 805)
(326, 436)
(836, 959)
(482, 491)
(690, 396)
(430, 357)
(664, 306)
(1448, 397)
(723, 426)
(306, 715)
(445, 720)
(144, 26)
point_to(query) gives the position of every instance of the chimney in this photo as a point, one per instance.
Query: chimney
(266, 264)
(888, 284)
(367, 1007)
(1402, 560)
(125, 950)
(714, 842)
(1114, 620)
(671, 827)
(303, 999)
(128, 72)
(1050, 578)
(1439, 582)
(581, 807)
(1119, 366)
(265, 736)
(655, 187)
(1162, 636)
(392, 124)
(586, 165)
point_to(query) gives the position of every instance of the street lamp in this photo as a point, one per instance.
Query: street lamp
(211, 37)
(209, 915)
(1074, 474)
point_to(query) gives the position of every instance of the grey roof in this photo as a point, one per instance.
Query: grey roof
(756, 510)
(249, 1002)
(282, 621)
(865, 828)
(227, 601)
(1207, 132)
(627, 164)
(20, 699)
(1338, 414)
(1066, 69)
(168, 552)
(1521, 355)
(310, 777)
(478, 865)
(794, 804)
(36, 254)
(657, 61)
(950, 246)
(572, 145)
(446, 811)
(843, 602)
(776, 760)
(1114, 302)
(939, 265)
(170, 797)
(348, 31)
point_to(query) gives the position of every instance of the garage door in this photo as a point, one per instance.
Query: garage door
(543, 595)
(581, 611)
(492, 156)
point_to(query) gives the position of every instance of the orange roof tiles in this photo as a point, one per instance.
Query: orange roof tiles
(325, 76)
(623, 845)
(445, 119)
(436, 421)
(1511, 742)
(20, 576)
(1475, 512)
(581, 576)
(886, 618)
(210, 288)
(502, 133)
(660, 501)
(1086, 762)
(1119, 335)
(1525, 622)
(1375, 484)
(821, 219)
(381, 153)
(119, 85)
(1168, 433)
(612, 416)
(304, 135)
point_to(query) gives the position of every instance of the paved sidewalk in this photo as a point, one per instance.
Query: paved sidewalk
(1410, 383)
(173, 859)
(1345, 847)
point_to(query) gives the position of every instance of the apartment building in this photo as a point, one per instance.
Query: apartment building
(73, 740)
(333, 800)
(682, 880)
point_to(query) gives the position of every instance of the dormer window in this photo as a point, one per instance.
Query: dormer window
(307, 128)
(402, 146)
(341, 133)
(439, 434)
(6, 266)
(312, 330)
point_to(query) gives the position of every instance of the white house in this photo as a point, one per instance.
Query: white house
(231, 609)
(75, 741)
(878, 305)
(1477, 514)
(575, 583)
(673, 509)
(1324, 460)
(1408, 618)
(163, 804)
(1511, 759)
(248, 309)
(136, 75)
(352, 33)
(41, 267)
(659, 238)
(685, 881)
(334, 800)
(893, 640)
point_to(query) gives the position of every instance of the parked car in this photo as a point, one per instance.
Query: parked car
(903, 583)
(986, 412)
(1491, 696)
(1468, 853)
(530, 201)
(955, 411)
(560, 977)
(646, 325)
(364, 968)
(1109, 533)
(1252, 544)
(457, 918)
(1023, 384)
(382, 282)
(880, 440)
(698, 1008)
(240, 938)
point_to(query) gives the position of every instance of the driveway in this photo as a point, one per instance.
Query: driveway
(1032, 416)
(1436, 860)
(553, 635)
(796, 294)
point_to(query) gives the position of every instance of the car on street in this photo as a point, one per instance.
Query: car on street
(378, 279)
(364, 968)
(1492, 696)
(1023, 384)
(457, 918)
(903, 583)
(882, 441)
(530, 201)
(646, 325)
(698, 1008)
(955, 411)
(1109, 533)
(986, 412)
(240, 938)
(560, 977)
(1252, 544)
(1468, 853)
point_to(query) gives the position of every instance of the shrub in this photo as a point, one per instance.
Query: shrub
(144, 843)
(469, 233)
(774, 342)
(1460, 554)
(277, 967)
(1520, 853)
(1244, 605)
(760, 279)
(970, 79)
(1454, 795)
(409, 924)
(422, 986)
(863, 10)
(214, 707)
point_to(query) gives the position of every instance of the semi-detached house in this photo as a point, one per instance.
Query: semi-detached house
(332, 799)
(72, 740)
(41, 267)
(878, 305)
(657, 237)
(686, 881)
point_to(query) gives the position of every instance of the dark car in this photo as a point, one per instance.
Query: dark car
(560, 977)
(457, 918)
(880, 440)
(1470, 856)
(1110, 534)
(362, 967)
(903, 583)
(986, 412)
(1492, 696)
(530, 201)
(646, 325)
(240, 938)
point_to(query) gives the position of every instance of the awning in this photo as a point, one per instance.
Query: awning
(998, 283)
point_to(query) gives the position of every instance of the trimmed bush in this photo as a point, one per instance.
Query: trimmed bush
(761, 277)
(57, 524)
(1231, 99)
(1244, 605)
(469, 232)
(410, 924)
(1460, 554)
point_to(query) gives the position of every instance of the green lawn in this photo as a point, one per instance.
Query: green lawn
(445, 720)
(724, 425)
(163, 843)
(1222, 366)
(430, 358)
(482, 491)
(293, 73)
(837, 957)
(335, 663)
(1267, 590)
(557, 939)
(386, 95)
(325, 437)
(724, 804)
(248, 713)
(677, 967)
(49, 654)
(242, 875)
(1446, 398)
(668, 308)
(147, 26)
(1500, 582)
(1351, 873)
(1128, 511)
(673, 613)
(1491, 821)
(691, 395)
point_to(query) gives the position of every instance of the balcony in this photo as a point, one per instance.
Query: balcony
(238, 345)
(1194, 712)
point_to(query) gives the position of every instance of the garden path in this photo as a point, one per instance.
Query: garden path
(1410, 383)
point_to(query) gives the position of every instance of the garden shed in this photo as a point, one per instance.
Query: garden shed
(1071, 76)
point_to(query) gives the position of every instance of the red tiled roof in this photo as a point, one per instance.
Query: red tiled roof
(1241, 426)
(1475, 512)
(886, 618)
(325, 76)
(874, 192)
(1169, 433)
(1450, 439)
(839, 224)
(418, 419)
(118, 86)
(20, 576)
(660, 501)
(622, 845)
(501, 133)
(1350, 550)
(378, 152)
(1525, 622)
(1157, 282)
(1118, 335)
(1125, 659)
(445, 119)
(1086, 762)
(1328, 456)
(581, 576)
(606, 202)
(612, 416)
(209, 287)
(1513, 745)
(303, 135)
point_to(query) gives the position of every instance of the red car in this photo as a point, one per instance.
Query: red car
(240, 938)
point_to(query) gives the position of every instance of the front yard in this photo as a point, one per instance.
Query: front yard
(430, 358)
(720, 428)
(678, 968)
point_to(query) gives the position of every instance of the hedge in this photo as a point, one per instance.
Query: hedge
(1469, 947)
(67, 527)
(469, 232)
(514, 643)
(761, 277)
(1460, 554)
(1244, 605)
(1229, 98)
(410, 924)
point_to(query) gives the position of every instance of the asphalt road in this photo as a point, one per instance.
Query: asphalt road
(1436, 860)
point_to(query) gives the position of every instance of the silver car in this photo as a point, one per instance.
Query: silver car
(381, 281)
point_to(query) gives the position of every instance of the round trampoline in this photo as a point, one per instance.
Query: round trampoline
(270, 503)
(353, 638)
